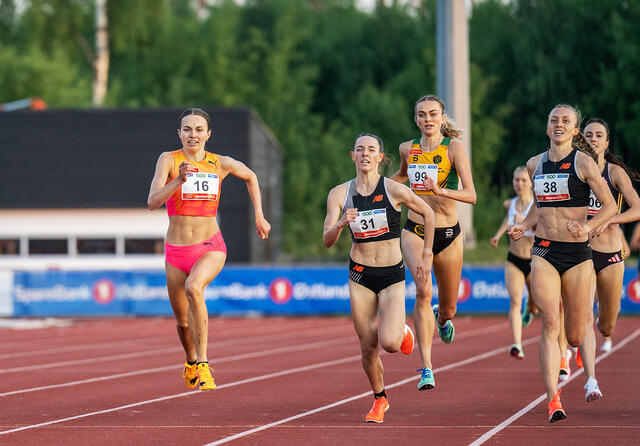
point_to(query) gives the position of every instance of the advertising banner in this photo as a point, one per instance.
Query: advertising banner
(244, 291)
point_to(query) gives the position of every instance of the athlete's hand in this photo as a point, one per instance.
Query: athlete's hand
(494, 241)
(263, 227)
(515, 232)
(599, 230)
(431, 185)
(348, 217)
(184, 168)
(576, 229)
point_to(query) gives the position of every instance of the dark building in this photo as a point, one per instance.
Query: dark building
(97, 159)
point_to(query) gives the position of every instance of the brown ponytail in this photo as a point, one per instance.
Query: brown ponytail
(449, 129)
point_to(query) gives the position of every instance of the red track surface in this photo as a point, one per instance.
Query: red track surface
(285, 381)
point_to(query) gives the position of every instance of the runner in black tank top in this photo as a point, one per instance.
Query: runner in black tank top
(370, 205)
(607, 243)
(561, 263)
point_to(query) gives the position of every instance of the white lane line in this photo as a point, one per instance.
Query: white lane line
(245, 381)
(26, 351)
(177, 348)
(176, 367)
(454, 365)
(180, 395)
(486, 436)
(463, 335)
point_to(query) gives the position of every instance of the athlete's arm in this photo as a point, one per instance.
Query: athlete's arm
(401, 194)
(516, 231)
(238, 169)
(333, 223)
(622, 182)
(626, 250)
(458, 156)
(589, 170)
(503, 227)
(401, 175)
(160, 191)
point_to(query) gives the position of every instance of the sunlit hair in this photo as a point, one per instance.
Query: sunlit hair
(578, 142)
(198, 112)
(448, 128)
(376, 137)
(608, 156)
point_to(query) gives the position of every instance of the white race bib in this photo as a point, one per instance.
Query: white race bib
(417, 173)
(552, 187)
(201, 186)
(594, 204)
(370, 223)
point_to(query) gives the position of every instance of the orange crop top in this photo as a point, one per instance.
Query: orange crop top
(200, 194)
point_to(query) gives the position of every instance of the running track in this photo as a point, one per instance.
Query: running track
(298, 381)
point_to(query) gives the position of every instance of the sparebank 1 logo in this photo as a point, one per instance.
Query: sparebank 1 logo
(464, 291)
(104, 291)
(633, 291)
(281, 290)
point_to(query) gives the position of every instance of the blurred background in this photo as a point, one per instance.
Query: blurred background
(91, 92)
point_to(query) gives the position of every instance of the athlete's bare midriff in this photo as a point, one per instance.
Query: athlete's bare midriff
(608, 241)
(445, 210)
(521, 247)
(552, 223)
(185, 230)
(381, 253)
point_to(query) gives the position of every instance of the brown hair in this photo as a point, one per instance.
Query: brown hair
(578, 142)
(195, 111)
(608, 156)
(448, 128)
(386, 160)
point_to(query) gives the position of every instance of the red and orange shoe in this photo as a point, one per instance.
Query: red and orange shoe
(376, 414)
(556, 412)
(579, 359)
(407, 340)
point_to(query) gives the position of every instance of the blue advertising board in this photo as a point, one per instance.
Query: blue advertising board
(244, 290)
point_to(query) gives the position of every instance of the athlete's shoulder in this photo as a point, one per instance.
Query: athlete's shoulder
(405, 146)
(534, 160)
(339, 189)
(507, 202)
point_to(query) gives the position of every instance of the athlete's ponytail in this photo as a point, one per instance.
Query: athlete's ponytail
(608, 156)
(449, 129)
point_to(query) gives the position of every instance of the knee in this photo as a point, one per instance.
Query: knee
(368, 349)
(575, 337)
(606, 329)
(423, 295)
(194, 291)
(551, 326)
(390, 344)
(182, 324)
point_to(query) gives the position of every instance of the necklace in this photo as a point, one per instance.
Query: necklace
(431, 147)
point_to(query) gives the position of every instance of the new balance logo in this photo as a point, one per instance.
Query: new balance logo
(377, 198)
(544, 243)
(358, 268)
(565, 166)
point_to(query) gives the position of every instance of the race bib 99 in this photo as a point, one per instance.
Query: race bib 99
(417, 173)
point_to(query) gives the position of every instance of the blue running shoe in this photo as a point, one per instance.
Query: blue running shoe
(426, 379)
(526, 316)
(447, 332)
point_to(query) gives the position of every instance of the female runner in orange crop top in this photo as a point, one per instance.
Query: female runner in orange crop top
(188, 181)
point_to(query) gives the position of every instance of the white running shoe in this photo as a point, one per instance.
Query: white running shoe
(606, 347)
(593, 391)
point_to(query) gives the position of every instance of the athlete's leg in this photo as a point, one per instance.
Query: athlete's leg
(180, 306)
(514, 280)
(412, 246)
(206, 268)
(392, 317)
(447, 269)
(575, 300)
(364, 312)
(545, 286)
(609, 288)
